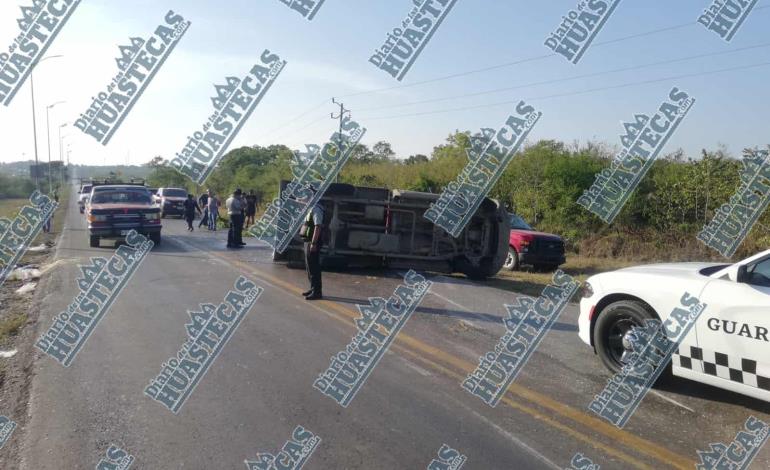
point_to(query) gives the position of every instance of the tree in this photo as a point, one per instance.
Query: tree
(414, 159)
(383, 151)
(157, 161)
(361, 153)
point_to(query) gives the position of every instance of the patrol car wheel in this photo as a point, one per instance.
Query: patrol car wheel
(612, 329)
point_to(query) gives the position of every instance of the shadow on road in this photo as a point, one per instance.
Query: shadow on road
(691, 388)
(463, 315)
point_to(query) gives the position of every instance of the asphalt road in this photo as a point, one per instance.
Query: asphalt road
(260, 387)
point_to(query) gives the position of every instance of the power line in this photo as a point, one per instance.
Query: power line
(315, 121)
(290, 121)
(490, 68)
(531, 59)
(559, 95)
(566, 79)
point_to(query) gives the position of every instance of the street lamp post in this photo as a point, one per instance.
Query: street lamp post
(48, 130)
(61, 157)
(34, 121)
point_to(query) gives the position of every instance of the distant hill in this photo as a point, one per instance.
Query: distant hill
(16, 168)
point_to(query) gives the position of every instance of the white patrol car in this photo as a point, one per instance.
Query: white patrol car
(729, 347)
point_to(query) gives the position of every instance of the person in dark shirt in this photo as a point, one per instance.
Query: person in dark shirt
(190, 206)
(251, 207)
(203, 201)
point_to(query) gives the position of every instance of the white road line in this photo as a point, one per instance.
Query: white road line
(414, 366)
(449, 301)
(671, 400)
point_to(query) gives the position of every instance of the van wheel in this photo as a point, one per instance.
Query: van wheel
(93, 241)
(512, 261)
(612, 331)
(477, 273)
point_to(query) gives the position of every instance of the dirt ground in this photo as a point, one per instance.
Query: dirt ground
(18, 317)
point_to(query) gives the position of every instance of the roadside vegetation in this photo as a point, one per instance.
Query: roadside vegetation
(15, 187)
(659, 222)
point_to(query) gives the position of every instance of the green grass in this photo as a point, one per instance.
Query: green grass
(10, 326)
(532, 283)
(9, 208)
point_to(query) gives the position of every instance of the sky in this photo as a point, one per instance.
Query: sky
(482, 45)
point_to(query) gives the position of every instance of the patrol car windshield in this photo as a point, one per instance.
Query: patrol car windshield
(122, 196)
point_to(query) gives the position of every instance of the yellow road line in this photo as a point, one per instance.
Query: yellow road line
(422, 351)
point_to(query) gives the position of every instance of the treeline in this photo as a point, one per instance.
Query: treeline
(13, 187)
(660, 221)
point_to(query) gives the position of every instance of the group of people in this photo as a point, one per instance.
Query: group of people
(244, 208)
(209, 214)
(241, 210)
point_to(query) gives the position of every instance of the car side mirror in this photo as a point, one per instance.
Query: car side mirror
(743, 274)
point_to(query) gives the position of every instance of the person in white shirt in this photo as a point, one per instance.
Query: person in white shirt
(235, 206)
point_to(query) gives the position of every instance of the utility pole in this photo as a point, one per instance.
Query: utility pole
(48, 130)
(343, 111)
(34, 123)
(34, 131)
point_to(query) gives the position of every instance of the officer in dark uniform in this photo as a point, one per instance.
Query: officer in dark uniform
(313, 235)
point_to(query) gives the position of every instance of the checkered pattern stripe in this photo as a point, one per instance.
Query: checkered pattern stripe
(734, 368)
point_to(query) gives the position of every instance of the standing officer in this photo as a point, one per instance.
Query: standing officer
(313, 235)
(203, 202)
(234, 206)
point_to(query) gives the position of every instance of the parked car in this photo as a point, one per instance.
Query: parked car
(729, 346)
(83, 195)
(114, 210)
(544, 251)
(381, 227)
(171, 201)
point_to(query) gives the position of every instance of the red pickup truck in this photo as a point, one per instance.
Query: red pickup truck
(116, 209)
(544, 251)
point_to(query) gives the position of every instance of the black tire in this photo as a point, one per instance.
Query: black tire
(512, 261)
(93, 241)
(155, 238)
(614, 322)
(477, 273)
(162, 215)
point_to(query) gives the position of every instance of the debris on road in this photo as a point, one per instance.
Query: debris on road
(8, 354)
(26, 273)
(26, 288)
